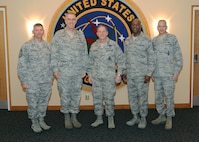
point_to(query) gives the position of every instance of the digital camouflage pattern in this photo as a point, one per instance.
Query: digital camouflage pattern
(69, 58)
(102, 68)
(34, 69)
(140, 61)
(169, 62)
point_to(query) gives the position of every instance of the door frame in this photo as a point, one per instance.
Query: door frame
(194, 8)
(4, 10)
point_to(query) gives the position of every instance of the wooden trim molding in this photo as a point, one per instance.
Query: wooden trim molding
(90, 107)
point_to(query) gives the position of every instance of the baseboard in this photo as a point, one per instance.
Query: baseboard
(90, 107)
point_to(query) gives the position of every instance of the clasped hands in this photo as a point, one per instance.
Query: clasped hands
(146, 78)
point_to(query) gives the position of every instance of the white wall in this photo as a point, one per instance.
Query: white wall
(178, 12)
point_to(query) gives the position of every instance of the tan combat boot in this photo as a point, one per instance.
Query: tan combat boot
(98, 121)
(43, 124)
(74, 121)
(133, 121)
(111, 124)
(142, 124)
(67, 121)
(160, 119)
(168, 124)
(35, 126)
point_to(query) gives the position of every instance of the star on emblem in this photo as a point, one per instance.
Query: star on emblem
(62, 25)
(121, 38)
(96, 22)
(108, 18)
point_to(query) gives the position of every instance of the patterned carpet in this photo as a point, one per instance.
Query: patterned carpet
(15, 127)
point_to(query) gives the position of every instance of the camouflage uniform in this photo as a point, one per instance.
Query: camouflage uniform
(69, 57)
(139, 62)
(102, 62)
(34, 70)
(168, 62)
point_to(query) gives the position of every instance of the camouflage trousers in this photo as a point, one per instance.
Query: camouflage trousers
(70, 93)
(164, 92)
(37, 95)
(103, 91)
(138, 96)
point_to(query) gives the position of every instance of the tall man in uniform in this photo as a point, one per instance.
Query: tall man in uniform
(140, 62)
(69, 57)
(168, 65)
(36, 76)
(104, 55)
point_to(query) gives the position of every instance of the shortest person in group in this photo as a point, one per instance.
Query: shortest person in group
(36, 77)
(169, 62)
(104, 55)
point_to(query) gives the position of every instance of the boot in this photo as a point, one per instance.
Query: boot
(160, 119)
(168, 124)
(133, 121)
(43, 124)
(35, 126)
(74, 121)
(142, 124)
(98, 121)
(111, 124)
(67, 121)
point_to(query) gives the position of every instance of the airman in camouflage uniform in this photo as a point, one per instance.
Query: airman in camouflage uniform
(69, 59)
(168, 65)
(140, 62)
(36, 77)
(103, 56)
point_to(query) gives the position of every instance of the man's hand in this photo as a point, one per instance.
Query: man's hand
(118, 79)
(90, 80)
(175, 77)
(24, 87)
(147, 79)
(124, 78)
(56, 74)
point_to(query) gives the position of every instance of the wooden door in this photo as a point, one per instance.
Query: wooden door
(196, 59)
(3, 87)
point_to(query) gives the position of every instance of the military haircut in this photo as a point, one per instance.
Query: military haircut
(137, 20)
(102, 26)
(37, 25)
(67, 13)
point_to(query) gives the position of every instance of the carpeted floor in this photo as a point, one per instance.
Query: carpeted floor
(15, 127)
